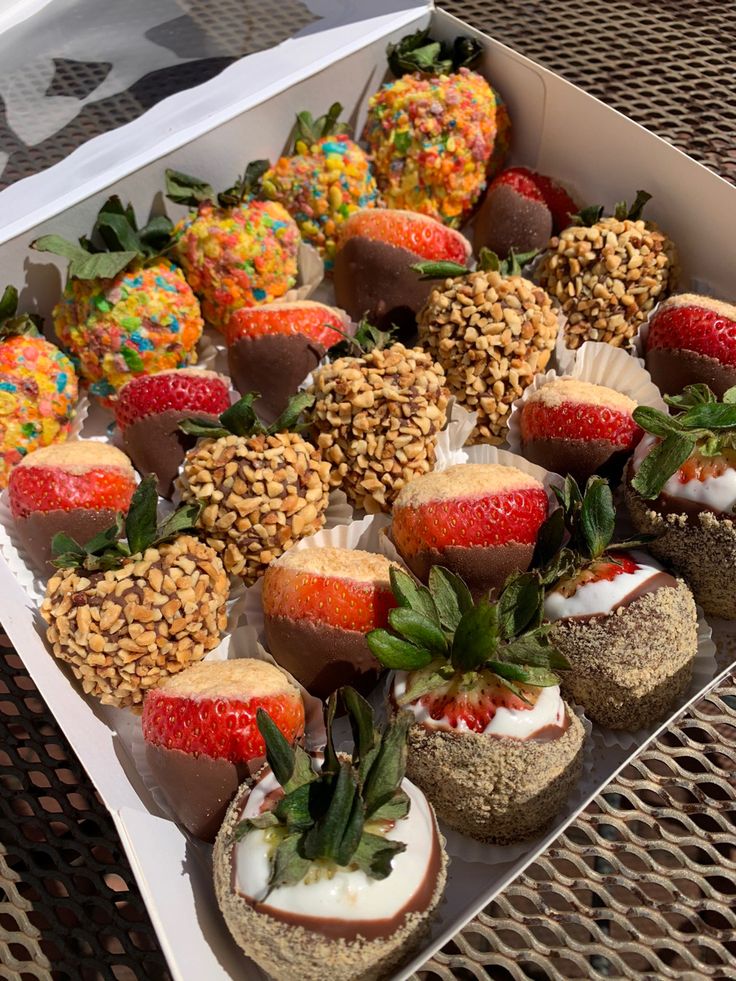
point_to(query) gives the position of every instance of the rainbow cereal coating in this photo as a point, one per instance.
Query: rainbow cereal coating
(38, 398)
(320, 186)
(237, 257)
(146, 319)
(431, 141)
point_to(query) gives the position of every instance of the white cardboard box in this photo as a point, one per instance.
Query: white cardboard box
(243, 114)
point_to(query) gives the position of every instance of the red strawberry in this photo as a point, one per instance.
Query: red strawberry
(569, 409)
(557, 200)
(420, 234)
(210, 709)
(698, 467)
(311, 320)
(79, 474)
(695, 323)
(605, 569)
(185, 389)
(472, 707)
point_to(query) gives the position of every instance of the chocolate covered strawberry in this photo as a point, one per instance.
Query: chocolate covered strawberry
(150, 408)
(376, 250)
(572, 426)
(201, 735)
(319, 603)
(521, 211)
(491, 742)
(627, 627)
(479, 520)
(692, 339)
(272, 348)
(125, 613)
(261, 488)
(77, 487)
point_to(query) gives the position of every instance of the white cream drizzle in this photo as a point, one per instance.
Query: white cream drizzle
(603, 596)
(718, 493)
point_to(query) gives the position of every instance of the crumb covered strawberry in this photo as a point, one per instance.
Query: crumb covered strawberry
(318, 604)
(148, 412)
(575, 427)
(76, 487)
(692, 340)
(479, 520)
(373, 266)
(295, 336)
(202, 739)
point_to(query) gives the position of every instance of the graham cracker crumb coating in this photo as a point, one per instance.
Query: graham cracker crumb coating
(627, 668)
(495, 788)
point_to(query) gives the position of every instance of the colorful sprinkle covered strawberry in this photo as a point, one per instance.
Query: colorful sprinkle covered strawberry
(575, 427)
(479, 520)
(201, 735)
(235, 250)
(325, 179)
(127, 613)
(150, 408)
(126, 310)
(691, 340)
(376, 250)
(431, 131)
(292, 336)
(521, 211)
(319, 603)
(261, 488)
(627, 628)
(681, 487)
(77, 487)
(38, 387)
(491, 743)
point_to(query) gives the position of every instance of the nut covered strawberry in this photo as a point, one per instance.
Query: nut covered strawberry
(294, 336)
(376, 250)
(261, 488)
(319, 603)
(76, 487)
(521, 211)
(148, 411)
(692, 339)
(201, 735)
(479, 520)
(491, 741)
(127, 613)
(575, 427)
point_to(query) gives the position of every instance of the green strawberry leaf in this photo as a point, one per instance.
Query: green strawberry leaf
(331, 763)
(394, 809)
(183, 519)
(488, 261)
(534, 649)
(450, 596)
(587, 217)
(520, 604)
(294, 809)
(107, 538)
(182, 188)
(550, 538)
(288, 421)
(240, 419)
(656, 422)
(156, 235)
(660, 463)
(266, 820)
(360, 716)
(418, 629)
(8, 303)
(634, 213)
(203, 428)
(59, 246)
(375, 854)
(103, 265)
(140, 522)
(279, 754)
(422, 682)
(692, 395)
(729, 396)
(411, 595)
(394, 653)
(597, 516)
(324, 838)
(288, 866)
(540, 677)
(352, 833)
(389, 767)
(66, 552)
(712, 416)
(439, 270)
(117, 233)
(476, 637)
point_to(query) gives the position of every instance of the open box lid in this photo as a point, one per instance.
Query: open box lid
(333, 29)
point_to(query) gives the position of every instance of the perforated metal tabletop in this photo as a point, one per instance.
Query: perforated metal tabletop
(642, 885)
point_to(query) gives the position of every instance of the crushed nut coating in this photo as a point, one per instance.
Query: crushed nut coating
(376, 419)
(260, 495)
(123, 631)
(492, 334)
(607, 278)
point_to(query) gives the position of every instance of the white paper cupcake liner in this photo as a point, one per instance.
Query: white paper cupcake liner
(705, 668)
(311, 272)
(452, 439)
(599, 364)
(470, 850)
(80, 417)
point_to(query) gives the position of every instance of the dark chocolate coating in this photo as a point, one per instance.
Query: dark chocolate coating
(274, 365)
(483, 567)
(580, 458)
(198, 788)
(375, 280)
(156, 445)
(321, 657)
(672, 370)
(39, 528)
(507, 220)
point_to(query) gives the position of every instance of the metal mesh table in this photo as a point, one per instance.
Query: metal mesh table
(643, 884)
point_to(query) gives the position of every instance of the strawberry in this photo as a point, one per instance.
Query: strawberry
(699, 467)
(472, 706)
(211, 707)
(312, 320)
(576, 420)
(424, 236)
(562, 207)
(695, 323)
(64, 477)
(182, 390)
(603, 569)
